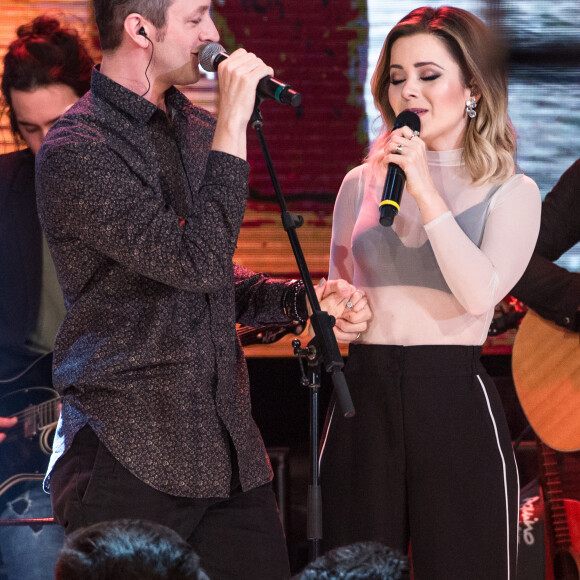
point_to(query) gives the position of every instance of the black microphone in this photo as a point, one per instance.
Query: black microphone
(212, 54)
(395, 181)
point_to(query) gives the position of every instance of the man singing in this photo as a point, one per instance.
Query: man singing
(141, 196)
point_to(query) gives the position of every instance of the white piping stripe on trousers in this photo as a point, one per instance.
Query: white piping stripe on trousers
(507, 512)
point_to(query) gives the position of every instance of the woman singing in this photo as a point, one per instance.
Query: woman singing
(427, 460)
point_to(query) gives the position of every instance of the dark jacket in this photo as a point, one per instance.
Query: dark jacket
(20, 259)
(551, 291)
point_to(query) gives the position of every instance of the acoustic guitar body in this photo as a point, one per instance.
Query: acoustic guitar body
(546, 373)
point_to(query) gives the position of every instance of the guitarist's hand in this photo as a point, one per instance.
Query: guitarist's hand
(6, 423)
(507, 315)
(347, 304)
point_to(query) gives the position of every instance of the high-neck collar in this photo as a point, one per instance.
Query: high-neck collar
(451, 158)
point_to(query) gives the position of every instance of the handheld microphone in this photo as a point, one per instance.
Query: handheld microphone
(212, 54)
(395, 181)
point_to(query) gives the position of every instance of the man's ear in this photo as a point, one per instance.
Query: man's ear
(136, 28)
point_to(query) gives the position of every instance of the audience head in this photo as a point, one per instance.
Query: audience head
(360, 561)
(127, 550)
(46, 69)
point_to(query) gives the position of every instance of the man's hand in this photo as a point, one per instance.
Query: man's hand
(239, 75)
(347, 304)
(6, 423)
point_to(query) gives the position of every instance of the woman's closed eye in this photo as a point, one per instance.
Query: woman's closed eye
(423, 78)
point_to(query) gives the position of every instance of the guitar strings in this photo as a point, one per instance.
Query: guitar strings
(33, 409)
(45, 410)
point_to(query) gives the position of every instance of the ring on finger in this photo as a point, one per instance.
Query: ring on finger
(399, 149)
(349, 304)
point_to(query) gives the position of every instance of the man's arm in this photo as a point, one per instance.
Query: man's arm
(260, 300)
(116, 215)
(551, 291)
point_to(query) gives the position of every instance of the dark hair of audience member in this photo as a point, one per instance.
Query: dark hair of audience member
(44, 54)
(127, 550)
(359, 561)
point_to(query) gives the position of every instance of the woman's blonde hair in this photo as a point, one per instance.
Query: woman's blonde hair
(490, 142)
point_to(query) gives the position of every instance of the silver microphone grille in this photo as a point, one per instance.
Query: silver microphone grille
(207, 55)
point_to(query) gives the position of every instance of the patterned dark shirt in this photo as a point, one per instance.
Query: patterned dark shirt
(142, 221)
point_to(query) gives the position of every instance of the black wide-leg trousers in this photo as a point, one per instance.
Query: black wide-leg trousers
(427, 459)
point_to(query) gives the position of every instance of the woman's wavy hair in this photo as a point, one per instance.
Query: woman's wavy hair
(44, 54)
(490, 142)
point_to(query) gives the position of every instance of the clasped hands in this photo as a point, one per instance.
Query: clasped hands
(347, 304)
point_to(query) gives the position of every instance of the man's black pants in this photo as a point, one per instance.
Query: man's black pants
(239, 537)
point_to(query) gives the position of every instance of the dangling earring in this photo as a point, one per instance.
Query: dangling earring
(470, 105)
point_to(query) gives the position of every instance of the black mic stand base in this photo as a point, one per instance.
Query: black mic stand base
(314, 499)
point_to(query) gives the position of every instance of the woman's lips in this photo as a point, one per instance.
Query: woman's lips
(417, 111)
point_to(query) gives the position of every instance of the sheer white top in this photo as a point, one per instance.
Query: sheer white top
(434, 283)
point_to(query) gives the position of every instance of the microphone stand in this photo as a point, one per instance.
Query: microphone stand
(322, 349)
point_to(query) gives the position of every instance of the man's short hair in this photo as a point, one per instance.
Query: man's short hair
(127, 550)
(110, 16)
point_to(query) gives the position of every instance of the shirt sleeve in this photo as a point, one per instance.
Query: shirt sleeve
(551, 291)
(343, 222)
(106, 207)
(479, 277)
(259, 298)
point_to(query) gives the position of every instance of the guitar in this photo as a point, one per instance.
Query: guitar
(562, 518)
(546, 373)
(27, 446)
(266, 334)
(25, 452)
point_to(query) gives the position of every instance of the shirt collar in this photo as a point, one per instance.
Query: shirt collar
(132, 104)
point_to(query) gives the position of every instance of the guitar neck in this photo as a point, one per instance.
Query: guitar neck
(554, 497)
(249, 335)
(37, 417)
